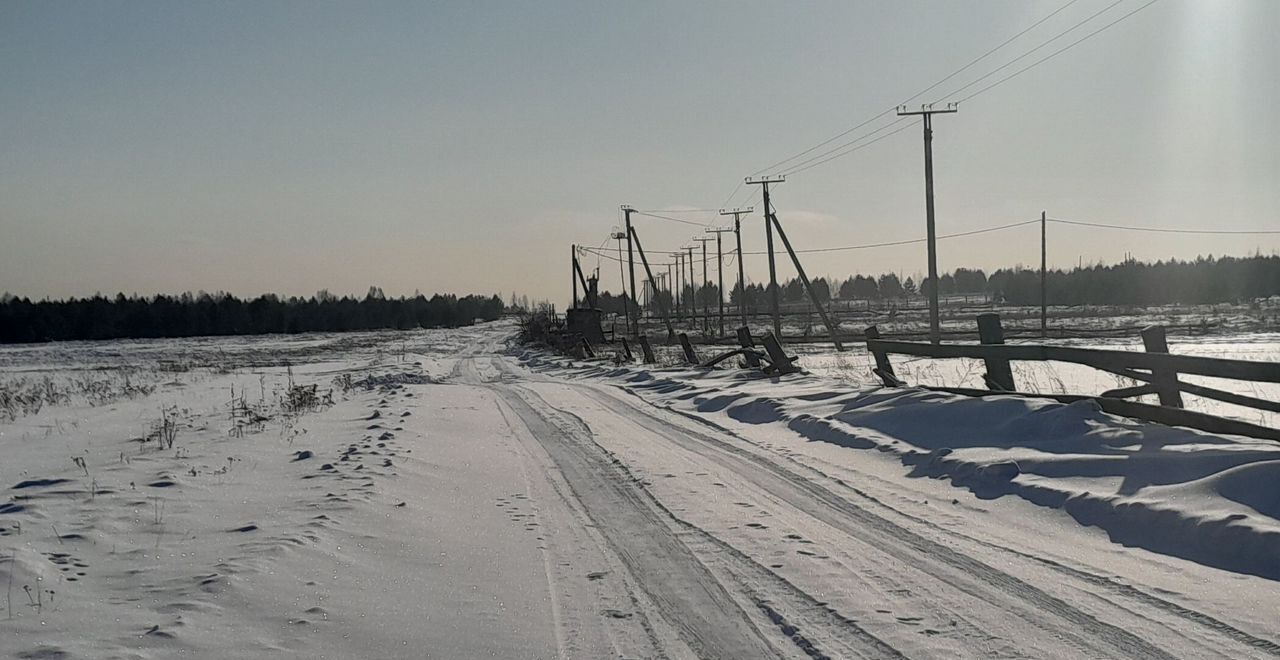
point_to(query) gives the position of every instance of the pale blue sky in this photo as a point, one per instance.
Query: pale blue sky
(462, 147)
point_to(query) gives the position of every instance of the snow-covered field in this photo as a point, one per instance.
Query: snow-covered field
(444, 493)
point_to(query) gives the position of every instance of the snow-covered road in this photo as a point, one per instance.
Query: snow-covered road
(478, 501)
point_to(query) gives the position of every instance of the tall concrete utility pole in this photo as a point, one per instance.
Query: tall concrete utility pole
(693, 291)
(764, 182)
(622, 274)
(679, 299)
(720, 269)
(631, 273)
(1044, 299)
(927, 112)
(742, 279)
(706, 312)
(671, 288)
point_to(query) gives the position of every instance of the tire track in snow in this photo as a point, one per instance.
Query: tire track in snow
(1120, 589)
(775, 596)
(962, 572)
(691, 599)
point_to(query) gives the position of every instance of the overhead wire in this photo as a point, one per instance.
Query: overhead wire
(1056, 52)
(856, 148)
(912, 97)
(910, 241)
(1026, 54)
(1165, 230)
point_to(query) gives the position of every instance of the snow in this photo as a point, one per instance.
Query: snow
(451, 495)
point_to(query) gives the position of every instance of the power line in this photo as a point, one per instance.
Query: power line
(1056, 52)
(1044, 43)
(909, 99)
(911, 241)
(857, 148)
(666, 217)
(797, 166)
(1164, 230)
(990, 52)
(822, 144)
(679, 211)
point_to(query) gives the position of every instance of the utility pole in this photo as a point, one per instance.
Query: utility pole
(662, 308)
(693, 290)
(742, 279)
(764, 182)
(678, 303)
(671, 288)
(706, 312)
(573, 272)
(927, 112)
(1044, 258)
(720, 267)
(771, 216)
(622, 275)
(631, 270)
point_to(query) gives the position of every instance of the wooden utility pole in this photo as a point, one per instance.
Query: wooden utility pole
(631, 271)
(764, 182)
(720, 269)
(706, 311)
(1044, 300)
(662, 307)
(927, 112)
(573, 272)
(742, 279)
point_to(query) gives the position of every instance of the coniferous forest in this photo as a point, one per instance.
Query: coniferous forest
(191, 315)
(1204, 280)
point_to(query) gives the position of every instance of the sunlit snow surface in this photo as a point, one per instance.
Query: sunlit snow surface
(420, 508)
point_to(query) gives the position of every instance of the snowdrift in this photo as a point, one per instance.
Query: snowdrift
(1212, 499)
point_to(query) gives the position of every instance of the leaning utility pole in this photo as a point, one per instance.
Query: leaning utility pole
(742, 280)
(662, 308)
(706, 312)
(770, 216)
(720, 268)
(927, 112)
(764, 182)
(631, 269)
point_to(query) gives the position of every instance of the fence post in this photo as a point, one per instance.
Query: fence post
(744, 340)
(1165, 380)
(626, 350)
(883, 366)
(646, 350)
(999, 376)
(689, 355)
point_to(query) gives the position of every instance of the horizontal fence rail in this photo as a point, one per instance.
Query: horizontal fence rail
(1104, 359)
(1156, 369)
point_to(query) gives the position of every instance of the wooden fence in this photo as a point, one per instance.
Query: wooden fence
(1156, 369)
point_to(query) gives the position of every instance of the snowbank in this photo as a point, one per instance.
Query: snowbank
(1212, 499)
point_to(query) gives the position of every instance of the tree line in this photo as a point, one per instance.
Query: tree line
(1203, 280)
(202, 314)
